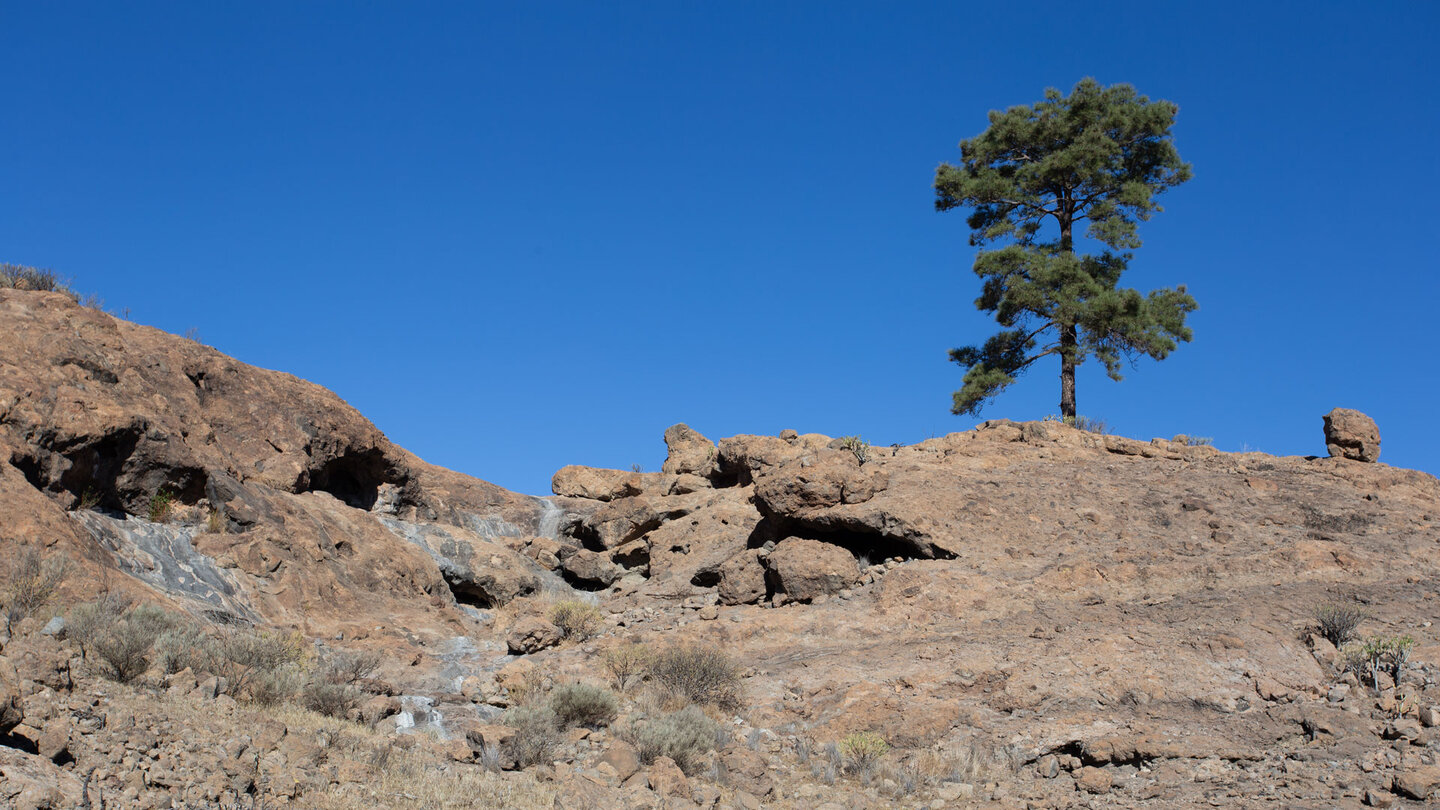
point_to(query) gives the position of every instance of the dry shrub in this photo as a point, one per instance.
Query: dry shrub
(30, 583)
(120, 637)
(1337, 621)
(696, 673)
(627, 664)
(862, 751)
(576, 619)
(537, 733)
(684, 736)
(582, 704)
(260, 666)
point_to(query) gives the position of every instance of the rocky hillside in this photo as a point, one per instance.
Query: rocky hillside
(1019, 615)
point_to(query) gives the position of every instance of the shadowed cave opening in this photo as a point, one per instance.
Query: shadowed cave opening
(354, 478)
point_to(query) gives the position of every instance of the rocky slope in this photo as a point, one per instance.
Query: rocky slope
(1029, 614)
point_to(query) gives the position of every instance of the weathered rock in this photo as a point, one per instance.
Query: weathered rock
(54, 740)
(11, 707)
(828, 478)
(589, 568)
(619, 522)
(1419, 782)
(596, 483)
(531, 634)
(692, 547)
(688, 452)
(804, 569)
(666, 778)
(623, 758)
(1093, 780)
(742, 578)
(1351, 434)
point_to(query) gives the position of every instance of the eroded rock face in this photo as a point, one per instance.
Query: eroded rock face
(595, 483)
(268, 487)
(688, 452)
(1351, 434)
(804, 569)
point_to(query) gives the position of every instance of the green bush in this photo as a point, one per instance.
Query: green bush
(863, 750)
(684, 736)
(696, 674)
(582, 704)
(161, 504)
(537, 733)
(857, 447)
(576, 619)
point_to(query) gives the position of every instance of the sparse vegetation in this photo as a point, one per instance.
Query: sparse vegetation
(626, 663)
(583, 704)
(30, 583)
(161, 505)
(262, 667)
(1379, 654)
(698, 674)
(862, 752)
(857, 446)
(684, 736)
(121, 637)
(1193, 441)
(1337, 621)
(537, 733)
(21, 277)
(577, 619)
(1081, 422)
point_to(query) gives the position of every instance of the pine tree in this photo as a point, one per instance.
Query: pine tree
(1098, 156)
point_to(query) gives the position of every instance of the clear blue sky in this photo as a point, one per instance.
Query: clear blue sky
(524, 235)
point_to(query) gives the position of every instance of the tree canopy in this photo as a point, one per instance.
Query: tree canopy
(1098, 156)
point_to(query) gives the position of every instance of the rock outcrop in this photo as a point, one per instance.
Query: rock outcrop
(1351, 434)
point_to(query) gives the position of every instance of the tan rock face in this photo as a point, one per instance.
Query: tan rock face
(532, 634)
(271, 485)
(688, 452)
(805, 569)
(1351, 434)
(595, 483)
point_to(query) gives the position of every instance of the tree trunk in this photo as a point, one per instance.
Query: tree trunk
(1068, 338)
(1067, 372)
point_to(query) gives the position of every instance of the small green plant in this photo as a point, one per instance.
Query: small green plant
(30, 583)
(162, 503)
(215, 522)
(696, 674)
(638, 468)
(862, 751)
(186, 645)
(537, 733)
(582, 704)
(577, 619)
(89, 499)
(1337, 621)
(685, 736)
(1377, 654)
(626, 663)
(857, 446)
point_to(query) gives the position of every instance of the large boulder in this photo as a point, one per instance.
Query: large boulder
(688, 452)
(805, 569)
(590, 568)
(532, 634)
(1351, 434)
(595, 483)
(828, 478)
(742, 579)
